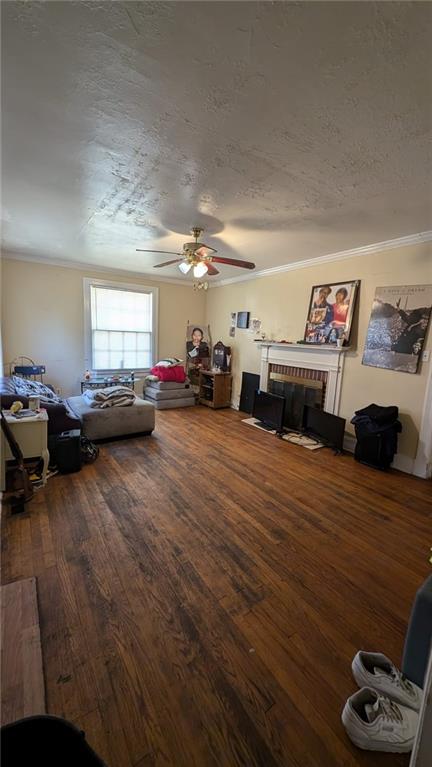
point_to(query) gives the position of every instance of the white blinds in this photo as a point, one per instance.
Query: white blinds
(121, 323)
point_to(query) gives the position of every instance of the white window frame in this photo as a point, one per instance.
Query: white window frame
(90, 282)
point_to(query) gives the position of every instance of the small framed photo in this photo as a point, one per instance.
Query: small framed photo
(243, 320)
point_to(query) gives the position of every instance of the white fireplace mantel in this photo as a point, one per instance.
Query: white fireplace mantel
(311, 356)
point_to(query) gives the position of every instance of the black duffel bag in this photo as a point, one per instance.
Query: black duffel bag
(376, 429)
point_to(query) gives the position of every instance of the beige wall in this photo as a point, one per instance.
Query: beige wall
(43, 317)
(281, 302)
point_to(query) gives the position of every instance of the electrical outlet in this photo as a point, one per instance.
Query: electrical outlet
(426, 355)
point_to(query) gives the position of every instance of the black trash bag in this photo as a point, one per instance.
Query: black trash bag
(89, 451)
(376, 429)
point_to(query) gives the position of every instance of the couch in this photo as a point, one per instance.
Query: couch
(112, 422)
(60, 416)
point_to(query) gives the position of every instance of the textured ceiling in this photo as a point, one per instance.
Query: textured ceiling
(288, 130)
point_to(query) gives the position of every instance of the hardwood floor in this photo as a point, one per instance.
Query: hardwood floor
(22, 680)
(203, 591)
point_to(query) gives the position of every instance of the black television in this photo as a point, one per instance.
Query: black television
(326, 427)
(269, 410)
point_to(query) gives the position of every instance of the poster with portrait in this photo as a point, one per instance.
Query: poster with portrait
(397, 327)
(198, 350)
(330, 314)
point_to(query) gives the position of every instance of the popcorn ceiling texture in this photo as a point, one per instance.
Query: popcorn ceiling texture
(288, 130)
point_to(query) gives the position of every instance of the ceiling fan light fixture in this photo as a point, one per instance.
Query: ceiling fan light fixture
(200, 270)
(184, 267)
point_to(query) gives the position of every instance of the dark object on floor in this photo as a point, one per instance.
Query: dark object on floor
(250, 384)
(89, 451)
(326, 427)
(419, 635)
(376, 429)
(65, 451)
(46, 740)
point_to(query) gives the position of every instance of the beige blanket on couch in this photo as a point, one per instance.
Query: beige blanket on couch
(112, 396)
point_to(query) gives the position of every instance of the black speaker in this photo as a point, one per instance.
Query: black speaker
(250, 383)
(65, 451)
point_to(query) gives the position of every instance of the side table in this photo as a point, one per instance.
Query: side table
(32, 436)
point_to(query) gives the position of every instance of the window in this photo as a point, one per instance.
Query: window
(120, 324)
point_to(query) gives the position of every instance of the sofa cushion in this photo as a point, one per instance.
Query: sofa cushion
(99, 423)
(166, 385)
(157, 394)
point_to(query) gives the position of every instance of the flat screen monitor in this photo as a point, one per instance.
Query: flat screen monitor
(326, 427)
(269, 409)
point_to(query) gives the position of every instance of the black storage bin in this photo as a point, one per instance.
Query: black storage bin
(46, 740)
(376, 429)
(65, 451)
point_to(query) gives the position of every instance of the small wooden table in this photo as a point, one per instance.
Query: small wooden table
(32, 436)
(215, 389)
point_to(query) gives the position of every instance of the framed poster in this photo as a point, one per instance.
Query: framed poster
(397, 327)
(198, 343)
(330, 313)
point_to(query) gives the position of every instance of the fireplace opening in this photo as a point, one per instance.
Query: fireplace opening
(300, 387)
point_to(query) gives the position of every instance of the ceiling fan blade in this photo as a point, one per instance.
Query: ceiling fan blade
(233, 262)
(167, 252)
(204, 250)
(211, 270)
(167, 263)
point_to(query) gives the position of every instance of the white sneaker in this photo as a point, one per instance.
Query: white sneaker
(373, 669)
(376, 723)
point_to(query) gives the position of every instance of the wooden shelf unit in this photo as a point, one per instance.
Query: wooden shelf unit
(215, 389)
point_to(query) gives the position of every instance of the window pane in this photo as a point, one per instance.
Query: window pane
(130, 341)
(116, 341)
(101, 361)
(143, 360)
(100, 340)
(116, 360)
(144, 341)
(130, 360)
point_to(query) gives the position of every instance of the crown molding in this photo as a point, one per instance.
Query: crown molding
(91, 268)
(399, 242)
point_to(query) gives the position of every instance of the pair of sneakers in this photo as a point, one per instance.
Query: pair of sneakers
(383, 714)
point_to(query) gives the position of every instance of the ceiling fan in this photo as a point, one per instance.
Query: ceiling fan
(199, 257)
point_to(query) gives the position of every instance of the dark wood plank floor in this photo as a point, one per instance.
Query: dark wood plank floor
(22, 680)
(202, 593)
